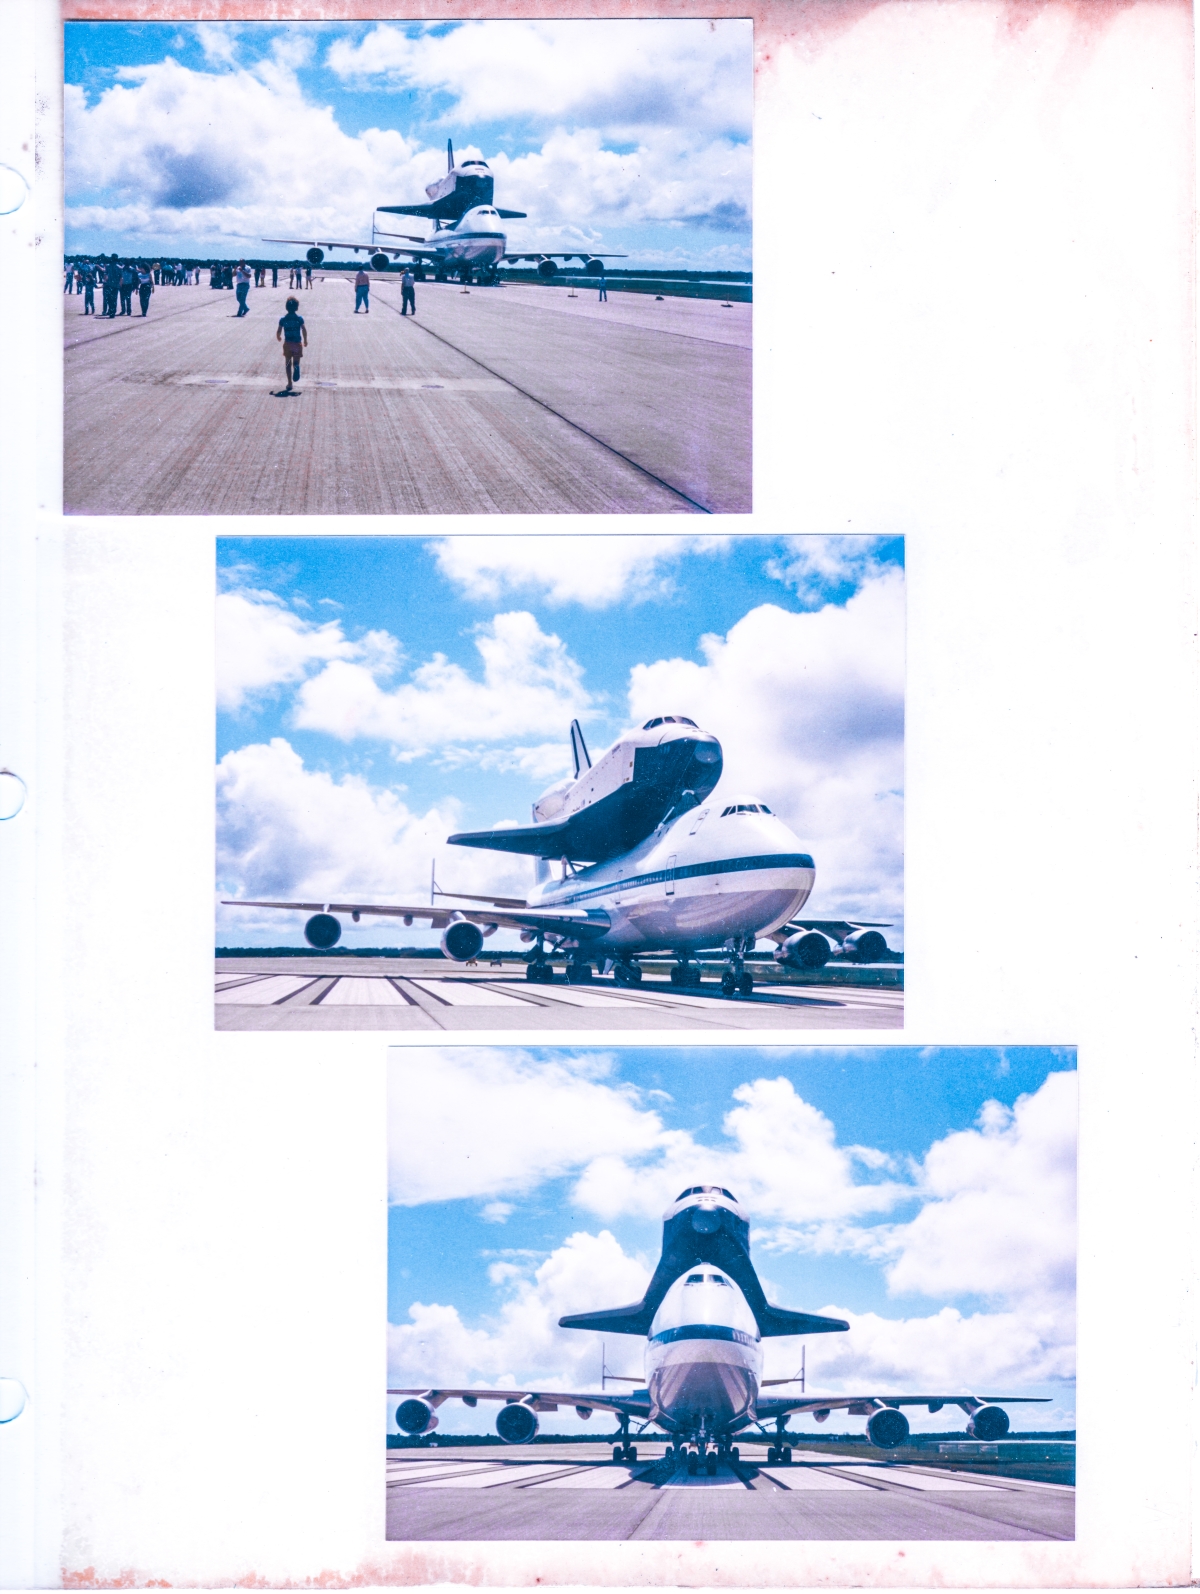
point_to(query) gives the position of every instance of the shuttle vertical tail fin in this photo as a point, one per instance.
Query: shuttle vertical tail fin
(449, 155)
(579, 750)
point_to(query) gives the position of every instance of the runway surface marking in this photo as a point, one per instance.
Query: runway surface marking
(423, 385)
(364, 991)
(598, 1477)
(466, 993)
(511, 1472)
(919, 1480)
(272, 988)
(707, 320)
(802, 1477)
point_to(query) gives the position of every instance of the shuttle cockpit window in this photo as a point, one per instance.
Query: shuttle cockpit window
(669, 719)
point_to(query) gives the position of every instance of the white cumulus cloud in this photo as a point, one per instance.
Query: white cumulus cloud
(809, 709)
(262, 644)
(594, 571)
(529, 681)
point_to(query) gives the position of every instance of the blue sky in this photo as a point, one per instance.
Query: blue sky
(927, 1194)
(377, 693)
(633, 136)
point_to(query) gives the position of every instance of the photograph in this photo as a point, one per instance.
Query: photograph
(553, 782)
(751, 1294)
(585, 182)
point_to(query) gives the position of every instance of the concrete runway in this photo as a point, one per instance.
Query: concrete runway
(577, 1492)
(419, 994)
(509, 400)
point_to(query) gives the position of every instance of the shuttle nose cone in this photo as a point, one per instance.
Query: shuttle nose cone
(706, 1221)
(707, 751)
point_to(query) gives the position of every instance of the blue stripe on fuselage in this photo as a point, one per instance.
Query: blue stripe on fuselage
(671, 1336)
(687, 871)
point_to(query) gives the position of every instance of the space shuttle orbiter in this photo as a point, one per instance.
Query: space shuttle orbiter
(705, 1226)
(604, 809)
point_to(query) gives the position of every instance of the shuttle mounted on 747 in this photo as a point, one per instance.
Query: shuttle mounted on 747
(467, 236)
(632, 857)
(704, 1317)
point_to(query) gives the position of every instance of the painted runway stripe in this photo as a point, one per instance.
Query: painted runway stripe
(363, 991)
(406, 384)
(934, 1481)
(521, 1472)
(266, 992)
(599, 1477)
(807, 1478)
(466, 993)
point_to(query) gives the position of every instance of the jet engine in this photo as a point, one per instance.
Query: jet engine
(379, 262)
(888, 1428)
(315, 256)
(547, 268)
(865, 946)
(516, 1424)
(807, 949)
(989, 1422)
(323, 931)
(415, 1417)
(462, 940)
(593, 268)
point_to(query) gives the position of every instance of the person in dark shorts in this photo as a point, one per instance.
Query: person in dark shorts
(362, 291)
(112, 284)
(89, 289)
(128, 284)
(408, 296)
(145, 278)
(293, 334)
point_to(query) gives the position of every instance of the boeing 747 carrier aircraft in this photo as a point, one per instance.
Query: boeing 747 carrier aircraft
(467, 235)
(704, 1317)
(632, 857)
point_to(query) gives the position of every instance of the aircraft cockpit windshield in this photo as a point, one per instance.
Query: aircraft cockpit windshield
(745, 808)
(706, 1189)
(669, 719)
(706, 1278)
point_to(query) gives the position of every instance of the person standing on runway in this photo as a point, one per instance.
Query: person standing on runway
(362, 291)
(293, 334)
(145, 286)
(112, 284)
(308, 276)
(128, 281)
(602, 296)
(408, 296)
(243, 287)
(89, 288)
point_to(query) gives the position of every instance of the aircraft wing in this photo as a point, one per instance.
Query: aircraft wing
(863, 1405)
(636, 1404)
(546, 254)
(577, 922)
(368, 249)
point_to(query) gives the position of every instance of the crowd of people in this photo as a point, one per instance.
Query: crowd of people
(118, 281)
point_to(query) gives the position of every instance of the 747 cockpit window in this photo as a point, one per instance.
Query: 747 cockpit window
(745, 808)
(670, 719)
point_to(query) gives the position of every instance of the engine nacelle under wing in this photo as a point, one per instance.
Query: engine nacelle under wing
(415, 1416)
(989, 1423)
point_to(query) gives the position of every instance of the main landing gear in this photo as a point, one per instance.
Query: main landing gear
(539, 970)
(736, 982)
(579, 972)
(624, 1451)
(627, 974)
(686, 974)
(779, 1455)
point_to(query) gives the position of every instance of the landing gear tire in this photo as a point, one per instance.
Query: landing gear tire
(735, 1454)
(627, 974)
(540, 973)
(686, 974)
(617, 1452)
(772, 1455)
(631, 1452)
(786, 1455)
(745, 984)
(710, 1463)
(729, 983)
(579, 973)
(693, 1463)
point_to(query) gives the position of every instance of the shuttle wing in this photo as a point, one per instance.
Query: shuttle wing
(636, 1404)
(541, 254)
(578, 922)
(771, 1406)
